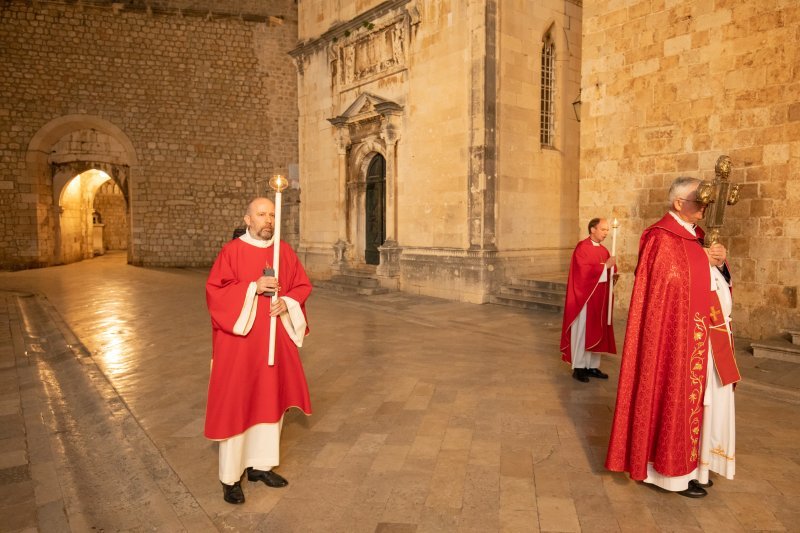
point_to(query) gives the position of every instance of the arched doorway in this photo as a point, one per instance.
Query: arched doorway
(375, 209)
(62, 150)
(88, 203)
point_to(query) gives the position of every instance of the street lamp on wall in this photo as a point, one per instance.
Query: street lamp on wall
(576, 106)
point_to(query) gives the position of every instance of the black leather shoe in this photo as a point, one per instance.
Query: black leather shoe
(233, 493)
(270, 478)
(693, 491)
(580, 375)
(595, 373)
(704, 485)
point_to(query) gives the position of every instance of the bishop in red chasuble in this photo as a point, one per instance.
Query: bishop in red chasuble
(674, 416)
(246, 397)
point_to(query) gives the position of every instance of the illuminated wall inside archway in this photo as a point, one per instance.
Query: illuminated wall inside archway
(75, 221)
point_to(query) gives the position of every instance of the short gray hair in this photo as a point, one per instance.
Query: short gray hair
(679, 187)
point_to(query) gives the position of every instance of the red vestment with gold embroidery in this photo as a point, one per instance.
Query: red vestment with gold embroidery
(659, 409)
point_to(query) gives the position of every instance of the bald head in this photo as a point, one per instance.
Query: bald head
(257, 203)
(260, 218)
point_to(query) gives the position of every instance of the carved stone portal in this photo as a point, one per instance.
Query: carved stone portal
(369, 127)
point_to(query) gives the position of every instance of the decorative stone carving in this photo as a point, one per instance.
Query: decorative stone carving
(370, 125)
(339, 263)
(389, 266)
(366, 57)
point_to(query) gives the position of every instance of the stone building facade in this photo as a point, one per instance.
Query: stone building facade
(668, 87)
(188, 107)
(419, 141)
(429, 152)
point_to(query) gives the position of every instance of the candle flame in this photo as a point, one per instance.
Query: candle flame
(278, 182)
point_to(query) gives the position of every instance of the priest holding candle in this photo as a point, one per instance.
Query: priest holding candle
(587, 330)
(256, 373)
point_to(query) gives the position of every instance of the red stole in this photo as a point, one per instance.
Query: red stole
(659, 407)
(584, 288)
(722, 344)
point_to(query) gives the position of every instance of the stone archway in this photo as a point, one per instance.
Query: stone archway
(60, 151)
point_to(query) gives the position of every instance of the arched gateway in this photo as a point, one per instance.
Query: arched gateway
(70, 158)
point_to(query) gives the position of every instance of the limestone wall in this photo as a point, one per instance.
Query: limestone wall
(109, 202)
(476, 198)
(203, 97)
(537, 187)
(432, 86)
(667, 88)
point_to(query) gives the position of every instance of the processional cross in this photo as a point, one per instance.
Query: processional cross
(716, 195)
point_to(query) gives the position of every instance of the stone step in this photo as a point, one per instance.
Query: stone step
(352, 280)
(352, 288)
(544, 294)
(778, 349)
(554, 283)
(528, 302)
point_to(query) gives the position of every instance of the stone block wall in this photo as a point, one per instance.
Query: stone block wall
(110, 204)
(537, 210)
(670, 86)
(472, 189)
(205, 95)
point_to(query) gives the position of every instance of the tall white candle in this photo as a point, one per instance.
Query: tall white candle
(278, 183)
(276, 258)
(614, 225)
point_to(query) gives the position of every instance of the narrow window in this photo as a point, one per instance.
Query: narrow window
(547, 118)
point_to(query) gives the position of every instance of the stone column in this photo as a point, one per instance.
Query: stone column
(391, 115)
(482, 167)
(341, 245)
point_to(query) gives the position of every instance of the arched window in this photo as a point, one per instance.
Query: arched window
(548, 83)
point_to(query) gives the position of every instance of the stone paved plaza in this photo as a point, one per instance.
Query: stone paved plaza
(429, 415)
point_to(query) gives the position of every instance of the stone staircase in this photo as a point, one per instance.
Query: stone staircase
(782, 349)
(545, 292)
(355, 281)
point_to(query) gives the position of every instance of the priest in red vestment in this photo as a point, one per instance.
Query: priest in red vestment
(674, 416)
(246, 397)
(586, 331)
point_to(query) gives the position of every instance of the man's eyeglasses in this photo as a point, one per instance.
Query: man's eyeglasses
(693, 201)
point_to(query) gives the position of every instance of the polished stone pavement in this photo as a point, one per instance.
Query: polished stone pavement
(429, 415)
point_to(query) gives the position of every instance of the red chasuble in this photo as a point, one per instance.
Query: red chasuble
(583, 288)
(243, 390)
(658, 415)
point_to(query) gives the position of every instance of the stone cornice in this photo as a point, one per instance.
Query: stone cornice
(165, 9)
(340, 30)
